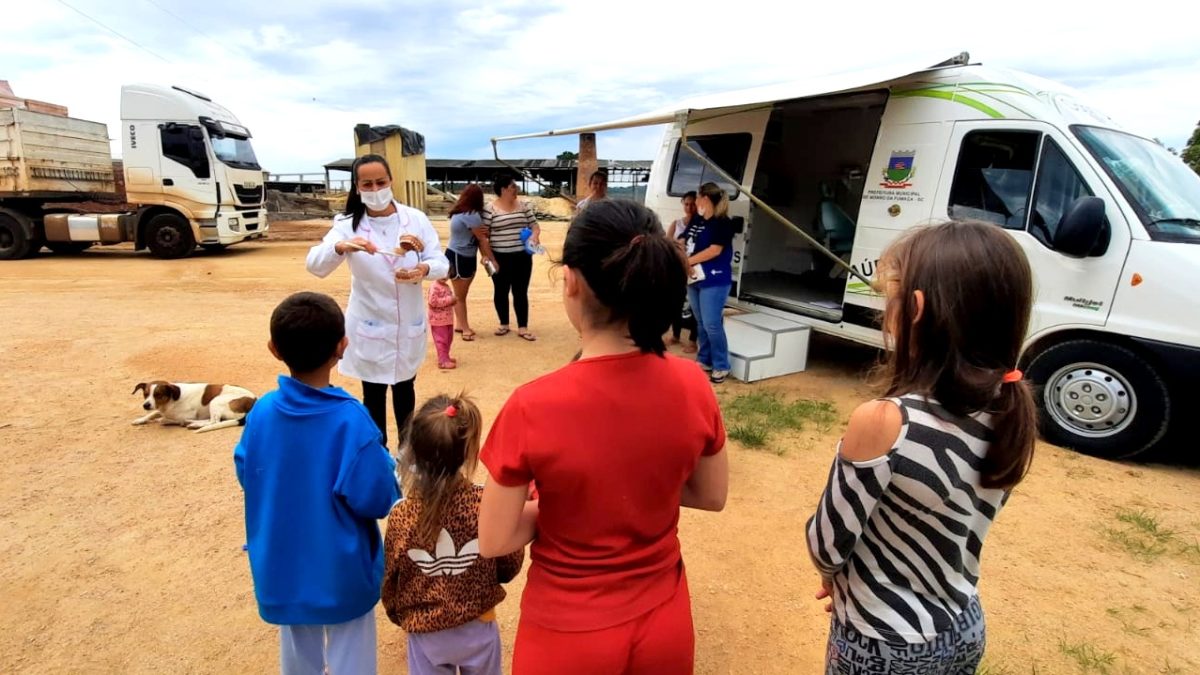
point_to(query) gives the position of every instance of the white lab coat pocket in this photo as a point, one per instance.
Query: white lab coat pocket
(373, 342)
(415, 343)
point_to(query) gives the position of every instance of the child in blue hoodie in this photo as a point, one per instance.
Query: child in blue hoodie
(316, 479)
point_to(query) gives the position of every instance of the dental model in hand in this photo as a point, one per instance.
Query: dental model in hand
(410, 243)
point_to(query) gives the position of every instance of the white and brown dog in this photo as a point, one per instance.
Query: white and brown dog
(195, 405)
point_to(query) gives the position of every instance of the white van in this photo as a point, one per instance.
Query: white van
(1110, 223)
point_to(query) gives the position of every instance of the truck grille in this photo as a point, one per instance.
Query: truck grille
(249, 195)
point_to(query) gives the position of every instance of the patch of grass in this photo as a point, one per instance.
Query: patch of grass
(1142, 536)
(1139, 547)
(1191, 551)
(749, 435)
(753, 418)
(1088, 656)
(1146, 523)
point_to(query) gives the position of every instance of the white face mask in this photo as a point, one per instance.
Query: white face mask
(377, 200)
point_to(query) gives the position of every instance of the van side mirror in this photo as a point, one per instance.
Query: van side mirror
(1084, 230)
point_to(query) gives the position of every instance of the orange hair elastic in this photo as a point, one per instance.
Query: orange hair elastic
(1013, 376)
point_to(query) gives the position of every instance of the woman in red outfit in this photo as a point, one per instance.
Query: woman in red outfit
(607, 592)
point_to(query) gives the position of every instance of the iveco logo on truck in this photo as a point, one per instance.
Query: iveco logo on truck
(132, 136)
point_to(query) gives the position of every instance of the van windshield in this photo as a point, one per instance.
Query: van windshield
(1163, 190)
(234, 151)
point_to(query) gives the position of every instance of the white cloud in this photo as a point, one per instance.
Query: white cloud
(301, 75)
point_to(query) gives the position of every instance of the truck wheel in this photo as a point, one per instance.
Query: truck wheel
(14, 241)
(1099, 398)
(68, 247)
(169, 236)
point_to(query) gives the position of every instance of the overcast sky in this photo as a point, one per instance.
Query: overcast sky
(301, 73)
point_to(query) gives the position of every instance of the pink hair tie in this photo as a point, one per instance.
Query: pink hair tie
(451, 411)
(636, 239)
(1012, 376)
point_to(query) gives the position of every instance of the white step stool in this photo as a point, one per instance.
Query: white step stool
(763, 346)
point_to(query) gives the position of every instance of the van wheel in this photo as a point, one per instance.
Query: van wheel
(169, 236)
(68, 247)
(1099, 398)
(14, 241)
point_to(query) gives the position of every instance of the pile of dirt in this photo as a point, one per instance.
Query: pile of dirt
(287, 206)
(438, 204)
(311, 230)
(555, 208)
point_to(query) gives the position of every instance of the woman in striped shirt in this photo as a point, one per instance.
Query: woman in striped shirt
(504, 219)
(920, 476)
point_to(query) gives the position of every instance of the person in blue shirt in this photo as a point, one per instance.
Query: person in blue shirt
(316, 479)
(710, 255)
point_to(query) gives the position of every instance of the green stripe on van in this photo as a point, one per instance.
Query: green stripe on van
(859, 288)
(953, 97)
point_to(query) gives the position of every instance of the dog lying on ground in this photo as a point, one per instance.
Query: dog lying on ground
(195, 405)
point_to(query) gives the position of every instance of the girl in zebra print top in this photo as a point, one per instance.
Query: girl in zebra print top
(920, 475)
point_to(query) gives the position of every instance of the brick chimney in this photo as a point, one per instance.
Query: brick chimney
(586, 164)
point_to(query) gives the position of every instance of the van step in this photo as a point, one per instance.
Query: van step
(763, 346)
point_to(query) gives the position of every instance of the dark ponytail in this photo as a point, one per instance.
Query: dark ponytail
(1014, 428)
(978, 290)
(637, 274)
(354, 204)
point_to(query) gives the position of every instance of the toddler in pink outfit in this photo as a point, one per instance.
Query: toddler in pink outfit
(441, 321)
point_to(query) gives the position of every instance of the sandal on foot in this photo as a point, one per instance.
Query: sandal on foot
(503, 330)
(526, 335)
(468, 336)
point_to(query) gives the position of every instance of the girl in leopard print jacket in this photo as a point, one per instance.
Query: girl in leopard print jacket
(436, 586)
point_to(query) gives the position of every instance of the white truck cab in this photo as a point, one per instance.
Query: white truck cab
(1109, 221)
(190, 177)
(190, 165)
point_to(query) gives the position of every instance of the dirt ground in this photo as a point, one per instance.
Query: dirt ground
(122, 546)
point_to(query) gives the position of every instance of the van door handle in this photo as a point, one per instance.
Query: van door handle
(168, 181)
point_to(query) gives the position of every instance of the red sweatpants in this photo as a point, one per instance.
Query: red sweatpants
(661, 642)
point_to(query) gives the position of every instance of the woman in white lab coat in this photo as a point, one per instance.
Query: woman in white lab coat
(390, 248)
